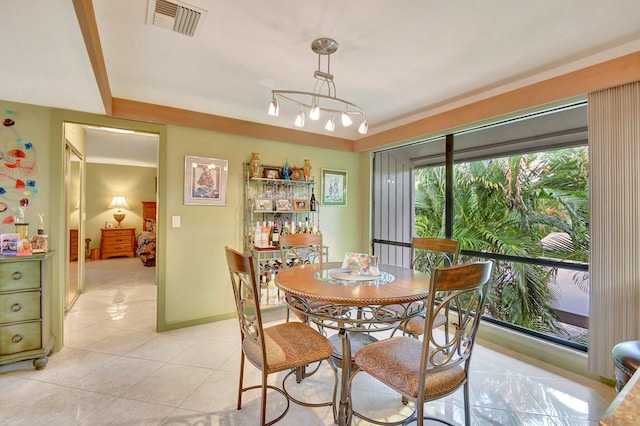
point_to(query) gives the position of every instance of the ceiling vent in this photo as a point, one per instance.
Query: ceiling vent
(176, 16)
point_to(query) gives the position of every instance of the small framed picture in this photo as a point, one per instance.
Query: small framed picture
(283, 204)
(270, 173)
(301, 205)
(334, 187)
(205, 181)
(263, 204)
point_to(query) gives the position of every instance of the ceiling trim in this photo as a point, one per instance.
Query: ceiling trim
(134, 110)
(615, 72)
(89, 28)
(601, 76)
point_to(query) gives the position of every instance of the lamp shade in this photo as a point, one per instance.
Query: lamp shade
(118, 202)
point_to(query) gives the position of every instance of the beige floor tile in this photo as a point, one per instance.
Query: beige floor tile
(115, 369)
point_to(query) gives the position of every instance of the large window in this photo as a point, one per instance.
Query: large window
(520, 197)
(531, 210)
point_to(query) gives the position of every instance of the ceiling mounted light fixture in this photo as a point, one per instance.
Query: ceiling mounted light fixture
(323, 98)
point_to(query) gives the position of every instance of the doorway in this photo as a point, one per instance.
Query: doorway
(116, 163)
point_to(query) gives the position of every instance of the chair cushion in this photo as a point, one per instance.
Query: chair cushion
(357, 341)
(396, 362)
(288, 345)
(415, 326)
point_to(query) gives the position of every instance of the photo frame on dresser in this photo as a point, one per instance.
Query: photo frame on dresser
(205, 181)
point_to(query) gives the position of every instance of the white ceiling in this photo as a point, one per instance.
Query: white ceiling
(399, 61)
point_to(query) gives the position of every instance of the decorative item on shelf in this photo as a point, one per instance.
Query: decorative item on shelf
(254, 165)
(283, 205)
(300, 205)
(41, 224)
(306, 170)
(323, 98)
(39, 243)
(119, 203)
(22, 230)
(286, 171)
(10, 244)
(270, 173)
(296, 174)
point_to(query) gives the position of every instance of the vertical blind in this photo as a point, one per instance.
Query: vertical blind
(392, 208)
(614, 158)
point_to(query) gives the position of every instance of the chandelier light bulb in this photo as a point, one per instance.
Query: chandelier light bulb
(300, 119)
(364, 127)
(346, 120)
(274, 108)
(331, 124)
(314, 114)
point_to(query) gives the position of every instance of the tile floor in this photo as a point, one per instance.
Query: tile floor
(116, 370)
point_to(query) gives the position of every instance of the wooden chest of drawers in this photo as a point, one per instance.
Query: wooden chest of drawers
(25, 326)
(116, 242)
(73, 245)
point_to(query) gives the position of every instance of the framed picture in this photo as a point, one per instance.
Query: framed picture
(301, 205)
(334, 187)
(270, 173)
(263, 204)
(205, 181)
(283, 204)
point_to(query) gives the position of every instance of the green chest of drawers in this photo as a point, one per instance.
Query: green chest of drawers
(25, 309)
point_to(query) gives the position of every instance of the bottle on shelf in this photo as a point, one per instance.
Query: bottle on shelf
(273, 290)
(312, 201)
(257, 235)
(264, 290)
(275, 236)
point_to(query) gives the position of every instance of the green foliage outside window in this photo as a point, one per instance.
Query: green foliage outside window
(508, 206)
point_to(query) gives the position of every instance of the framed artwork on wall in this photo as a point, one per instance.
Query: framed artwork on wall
(334, 187)
(205, 181)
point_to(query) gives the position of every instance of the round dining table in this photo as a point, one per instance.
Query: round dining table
(353, 302)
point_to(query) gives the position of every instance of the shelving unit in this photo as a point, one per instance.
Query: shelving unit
(275, 200)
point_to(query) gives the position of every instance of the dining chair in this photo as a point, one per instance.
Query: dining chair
(426, 254)
(300, 249)
(287, 346)
(432, 368)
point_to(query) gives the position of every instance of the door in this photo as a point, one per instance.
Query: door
(75, 254)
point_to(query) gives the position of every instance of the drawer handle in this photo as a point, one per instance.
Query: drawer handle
(17, 338)
(16, 307)
(16, 276)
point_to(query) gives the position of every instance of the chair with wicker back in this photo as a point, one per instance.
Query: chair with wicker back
(434, 367)
(288, 346)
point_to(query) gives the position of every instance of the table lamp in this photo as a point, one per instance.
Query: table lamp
(119, 203)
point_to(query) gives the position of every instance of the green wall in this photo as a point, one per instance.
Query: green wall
(103, 181)
(192, 275)
(201, 290)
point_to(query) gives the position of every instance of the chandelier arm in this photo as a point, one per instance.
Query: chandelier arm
(283, 94)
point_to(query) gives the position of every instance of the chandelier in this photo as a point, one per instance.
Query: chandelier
(323, 99)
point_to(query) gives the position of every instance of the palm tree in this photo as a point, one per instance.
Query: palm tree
(507, 206)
